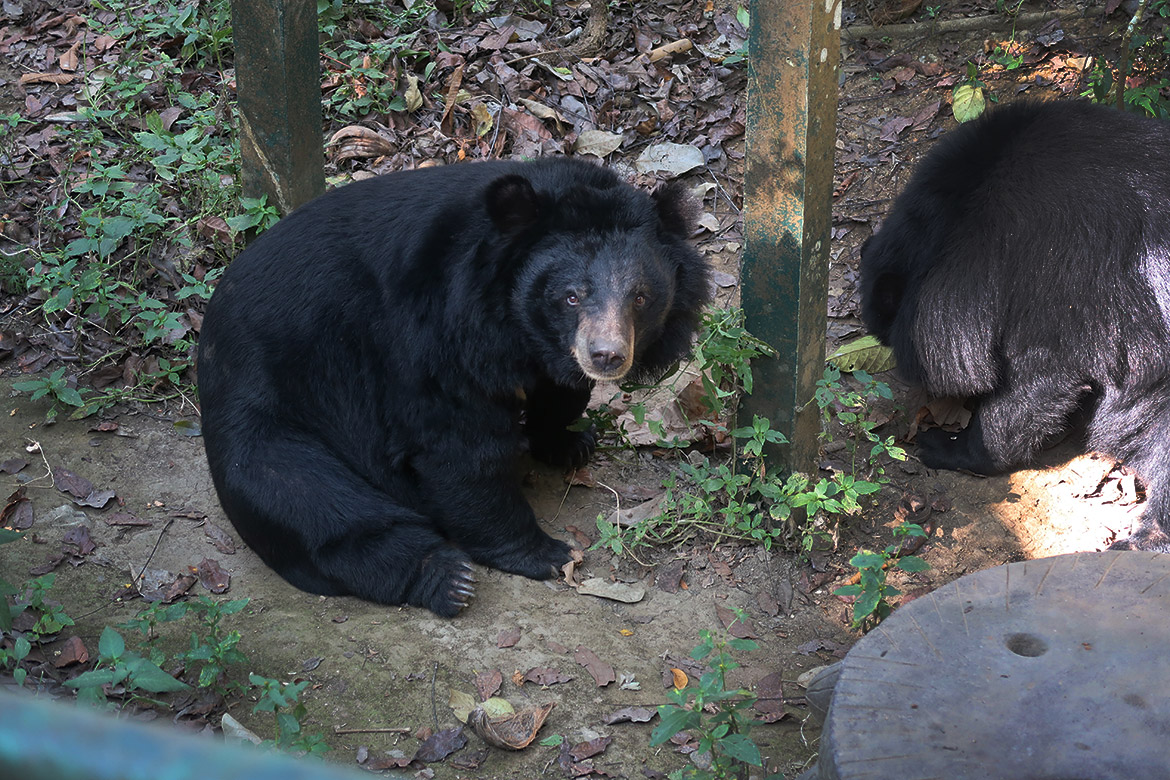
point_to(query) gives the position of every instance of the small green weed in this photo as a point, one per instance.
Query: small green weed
(847, 409)
(722, 356)
(124, 259)
(743, 16)
(121, 676)
(969, 96)
(724, 352)
(871, 591)
(1143, 66)
(56, 387)
(743, 501)
(203, 28)
(116, 666)
(11, 657)
(51, 617)
(720, 718)
(210, 650)
(31, 597)
(283, 701)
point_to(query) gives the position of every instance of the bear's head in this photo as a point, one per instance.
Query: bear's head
(606, 285)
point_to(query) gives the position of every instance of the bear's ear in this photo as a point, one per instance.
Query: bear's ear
(512, 204)
(677, 210)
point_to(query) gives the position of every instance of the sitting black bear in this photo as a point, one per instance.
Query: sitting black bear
(1027, 265)
(364, 366)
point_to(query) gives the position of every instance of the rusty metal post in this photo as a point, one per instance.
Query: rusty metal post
(793, 52)
(278, 84)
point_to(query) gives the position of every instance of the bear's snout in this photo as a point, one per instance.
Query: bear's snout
(604, 347)
(607, 357)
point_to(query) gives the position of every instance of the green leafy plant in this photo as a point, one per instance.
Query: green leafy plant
(12, 656)
(743, 16)
(724, 352)
(213, 649)
(210, 649)
(743, 501)
(1140, 81)
(255, 215)
(716, 499)
(203, 29)
(845, 408)
(720, 718)
(288, 712)
(722, 357)
(872, 591)
(116, 666)
(968, 97)
(56, 387)
(1009, 55)
(31, 597)
(138, 210)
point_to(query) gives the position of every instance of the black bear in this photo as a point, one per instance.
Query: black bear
(365, 365)
(1027, 266)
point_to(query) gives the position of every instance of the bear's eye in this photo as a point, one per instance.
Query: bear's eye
(572, 299)
(639, 300)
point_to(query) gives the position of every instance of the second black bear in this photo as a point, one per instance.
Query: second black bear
(365, 364)
(1027, 265)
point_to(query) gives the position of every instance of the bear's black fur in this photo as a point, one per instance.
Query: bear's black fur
(1027, 265)
(364, 366)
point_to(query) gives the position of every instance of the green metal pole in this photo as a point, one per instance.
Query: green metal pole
(278, 84)
(793, 52)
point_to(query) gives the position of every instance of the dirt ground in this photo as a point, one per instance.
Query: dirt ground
(372, 667)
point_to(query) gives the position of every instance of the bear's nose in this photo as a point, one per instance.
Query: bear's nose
(607, 357)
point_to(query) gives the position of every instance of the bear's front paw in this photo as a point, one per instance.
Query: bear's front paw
(937, 448)
(564, 448)
(445, 583)
(540, 559)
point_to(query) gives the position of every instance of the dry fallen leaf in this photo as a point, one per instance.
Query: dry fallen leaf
(71, 651)
(213, 577)
(125, 518)
(680, 678)
(738, 628)
(218, 537)
(356, 141)
(488, 683)
(13, 465)
(49, 78)
(569, 570)
(440, 745)
(74, 484)
(603, 674)
(18, 511)
(513, 732)
(630, 715)
(69, 60)
(543, 675)
(508, 637)
(628, 593)
(461, 704)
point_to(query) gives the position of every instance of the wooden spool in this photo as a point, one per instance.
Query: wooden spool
(1053, 669)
